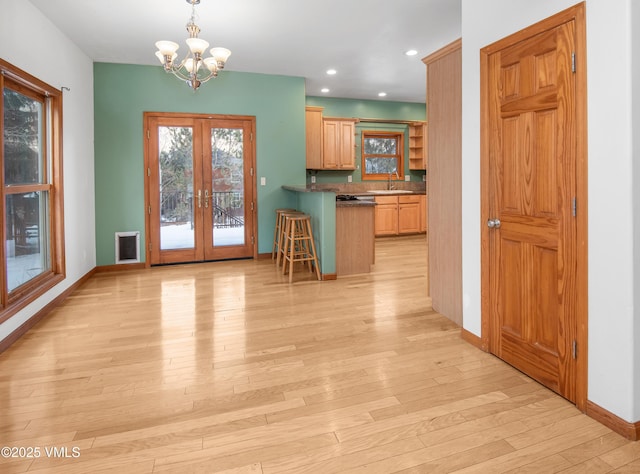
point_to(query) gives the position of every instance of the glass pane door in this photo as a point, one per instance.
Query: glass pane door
(175, 160)
(200, 188)
(227, 186)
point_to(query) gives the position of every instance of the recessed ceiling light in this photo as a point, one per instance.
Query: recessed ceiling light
(324, 90)
(331, 72)
(382, 94)
(411, 52)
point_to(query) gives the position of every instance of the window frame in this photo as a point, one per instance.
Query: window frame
(24, 83)
(399, 155)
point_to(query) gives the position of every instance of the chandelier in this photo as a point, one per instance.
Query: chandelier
(193, 69)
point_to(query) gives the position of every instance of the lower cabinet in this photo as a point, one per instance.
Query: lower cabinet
(423, 213)
(386, 221)
(397, 215)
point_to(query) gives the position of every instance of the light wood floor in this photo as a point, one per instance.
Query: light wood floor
(226, 367)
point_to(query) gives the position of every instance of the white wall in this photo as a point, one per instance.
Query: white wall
(613, 379)
(31, 42)
(635, 81)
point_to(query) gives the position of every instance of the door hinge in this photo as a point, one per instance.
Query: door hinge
(573, 61)
(149, 210)
(251, 171)
(251, 134)
(574, 207)
(148, 134)
(574, 349)
(252, 205)
(150, 247)
(148, 171)
(253, 240)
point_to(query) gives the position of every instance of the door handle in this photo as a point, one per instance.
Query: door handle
(199, 197)
(493, 223)
(206, 198)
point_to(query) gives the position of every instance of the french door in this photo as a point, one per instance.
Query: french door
(200, 187)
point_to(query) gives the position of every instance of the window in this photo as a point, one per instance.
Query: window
(31, 189)
(382, 155)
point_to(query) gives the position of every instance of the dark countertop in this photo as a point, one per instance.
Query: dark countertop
(356, 203)
(341, 189)
(308, 189)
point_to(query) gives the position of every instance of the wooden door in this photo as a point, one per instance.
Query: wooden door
(228, 200)
(386, 215)
(338, 144)
(531, 190)
(331, 144)
(200, 188)
(408, 214)
(346, 153)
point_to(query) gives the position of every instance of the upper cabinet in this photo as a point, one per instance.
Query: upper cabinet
(330, 141)
(339, 150)
(313, 116)
(418, 146)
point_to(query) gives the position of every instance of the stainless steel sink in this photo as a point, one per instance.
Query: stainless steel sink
(390, 191)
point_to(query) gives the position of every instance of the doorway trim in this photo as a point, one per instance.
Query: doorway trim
(576, 13)
(147, 172)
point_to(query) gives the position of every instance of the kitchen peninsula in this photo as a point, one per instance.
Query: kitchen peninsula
(344, 230)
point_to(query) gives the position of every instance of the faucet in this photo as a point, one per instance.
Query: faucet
(389, 185)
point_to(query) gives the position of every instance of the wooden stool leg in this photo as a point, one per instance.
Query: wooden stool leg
(282, 237)
(285, 245)
(276, 228)
(292, 249)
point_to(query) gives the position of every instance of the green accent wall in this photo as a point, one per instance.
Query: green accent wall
(322, 209)
(123, 92)
(370, 109)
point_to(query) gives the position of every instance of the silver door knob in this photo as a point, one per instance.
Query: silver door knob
(493, 223)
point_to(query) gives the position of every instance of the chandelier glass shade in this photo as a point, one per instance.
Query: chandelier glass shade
(194, 69)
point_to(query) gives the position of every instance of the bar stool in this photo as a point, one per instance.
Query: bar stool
(280, 250)
(278, 229)
(298, 243)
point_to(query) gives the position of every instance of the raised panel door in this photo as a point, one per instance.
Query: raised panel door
(386, 215)
(532, 251)
(313, 127)
(331, 144)
(346, 154)
(408, 214)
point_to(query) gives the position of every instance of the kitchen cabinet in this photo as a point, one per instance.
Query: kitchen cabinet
(418, 146)
(386, 218)
(330, 142)
(355, 242)
(408, 214)
(338, 143)
(313, 125)
(424, 218)
(398, 215)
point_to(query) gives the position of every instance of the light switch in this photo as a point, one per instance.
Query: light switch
(263, 181)
(407, 178)
(349, 179)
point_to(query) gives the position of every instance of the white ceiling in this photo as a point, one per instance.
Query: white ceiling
(364, 40)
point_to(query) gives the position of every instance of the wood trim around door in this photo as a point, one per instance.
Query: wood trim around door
(577, 14)
(254, 189)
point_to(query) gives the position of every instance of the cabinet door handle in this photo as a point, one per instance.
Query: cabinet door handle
(199, 197)
(206, 198)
